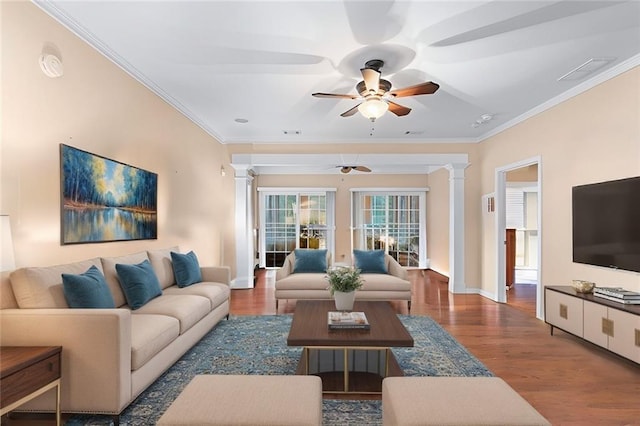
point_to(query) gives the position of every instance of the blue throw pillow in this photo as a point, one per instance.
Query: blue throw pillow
(186, 268)
(310, 260)
(370, 261)
(139, 283)
(88, 290)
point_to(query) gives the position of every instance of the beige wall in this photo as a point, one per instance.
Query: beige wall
(590, 138)
(438, 221)
(99, 108)
(523, 174)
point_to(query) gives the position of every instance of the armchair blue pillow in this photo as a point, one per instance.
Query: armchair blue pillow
(310, 260)
(370, 261)
(186, 268)
(139, 283)
(87, 290)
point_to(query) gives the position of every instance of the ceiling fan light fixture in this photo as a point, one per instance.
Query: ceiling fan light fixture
(373, 108)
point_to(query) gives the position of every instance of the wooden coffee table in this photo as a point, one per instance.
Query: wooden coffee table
(348, 361)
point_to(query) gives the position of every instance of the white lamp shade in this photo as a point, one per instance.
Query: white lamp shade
(373, 108)
(7, 261)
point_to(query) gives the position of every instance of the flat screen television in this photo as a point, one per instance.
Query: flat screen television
(606, 224)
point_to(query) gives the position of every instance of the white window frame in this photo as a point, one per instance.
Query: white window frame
(330, 205)
(356, 197)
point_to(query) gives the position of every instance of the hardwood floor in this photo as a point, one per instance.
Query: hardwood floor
(569, 381)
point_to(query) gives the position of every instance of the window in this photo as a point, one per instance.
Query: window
(279, 228)
(312, 226)
(291, 219)
(393, 222)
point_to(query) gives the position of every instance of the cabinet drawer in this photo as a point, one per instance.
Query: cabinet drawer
(625, 340)
(594, 315)
(23, 382)
(563, 311)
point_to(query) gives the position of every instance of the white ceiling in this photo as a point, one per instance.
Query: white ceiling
(218, 61)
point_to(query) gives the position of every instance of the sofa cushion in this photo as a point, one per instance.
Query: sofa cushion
(87, 290)
(111, 275)
(216, 293)
(370, 261)
(149, 335)
(186, 308)
(139, 283)
(186, 268)
(310, 260)
(41, 287)
(312, 281)
(163, 266)
(384, 282)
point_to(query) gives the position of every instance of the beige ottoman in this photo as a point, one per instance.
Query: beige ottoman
(247, 400)
(454, 401)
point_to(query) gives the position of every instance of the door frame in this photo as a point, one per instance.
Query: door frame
(501, 221)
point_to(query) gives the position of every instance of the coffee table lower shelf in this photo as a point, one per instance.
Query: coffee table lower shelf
(366, 368)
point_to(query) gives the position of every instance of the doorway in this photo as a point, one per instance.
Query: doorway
(518, 222)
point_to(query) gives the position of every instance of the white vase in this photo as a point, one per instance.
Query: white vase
(344, 301)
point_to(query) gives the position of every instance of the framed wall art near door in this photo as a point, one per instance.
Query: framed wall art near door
(104, 200)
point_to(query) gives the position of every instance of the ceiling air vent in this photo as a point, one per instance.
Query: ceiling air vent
(586, 69)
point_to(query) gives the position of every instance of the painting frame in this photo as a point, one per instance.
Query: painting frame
(104, 200)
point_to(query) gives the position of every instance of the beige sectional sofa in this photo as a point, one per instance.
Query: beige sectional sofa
(109, 356)
(312, 285)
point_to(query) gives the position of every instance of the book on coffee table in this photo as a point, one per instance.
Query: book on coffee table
(347, 320)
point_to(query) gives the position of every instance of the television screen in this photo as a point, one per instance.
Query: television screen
(606, 224)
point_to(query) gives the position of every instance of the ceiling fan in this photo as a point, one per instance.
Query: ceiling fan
(377, 94)
(347, 169)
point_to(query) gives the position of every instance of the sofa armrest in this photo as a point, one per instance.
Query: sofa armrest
(96, 353)
(287, 267)
(397, 270)
(216, 274)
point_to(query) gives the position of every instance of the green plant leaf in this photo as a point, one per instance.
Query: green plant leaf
(344, 279)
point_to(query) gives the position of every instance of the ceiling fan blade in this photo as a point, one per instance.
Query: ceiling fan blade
(398, 110)
(350, 112)
(419, 89)
(371, 79)
(362, 169)
(334, 95)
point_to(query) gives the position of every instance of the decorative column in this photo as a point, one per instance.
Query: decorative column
(456, 228)
(243, 228)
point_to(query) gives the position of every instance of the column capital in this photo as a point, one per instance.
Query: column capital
(242, 171)
(456, 170)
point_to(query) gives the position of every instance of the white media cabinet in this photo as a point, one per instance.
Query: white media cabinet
(611, 325)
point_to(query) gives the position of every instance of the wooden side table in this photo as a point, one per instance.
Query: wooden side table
(27, 372)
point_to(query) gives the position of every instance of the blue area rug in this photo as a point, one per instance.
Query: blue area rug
(257, 345)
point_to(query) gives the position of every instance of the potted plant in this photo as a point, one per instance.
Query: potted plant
(343, 283)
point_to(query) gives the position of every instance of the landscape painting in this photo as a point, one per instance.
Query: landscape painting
(105, 200)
